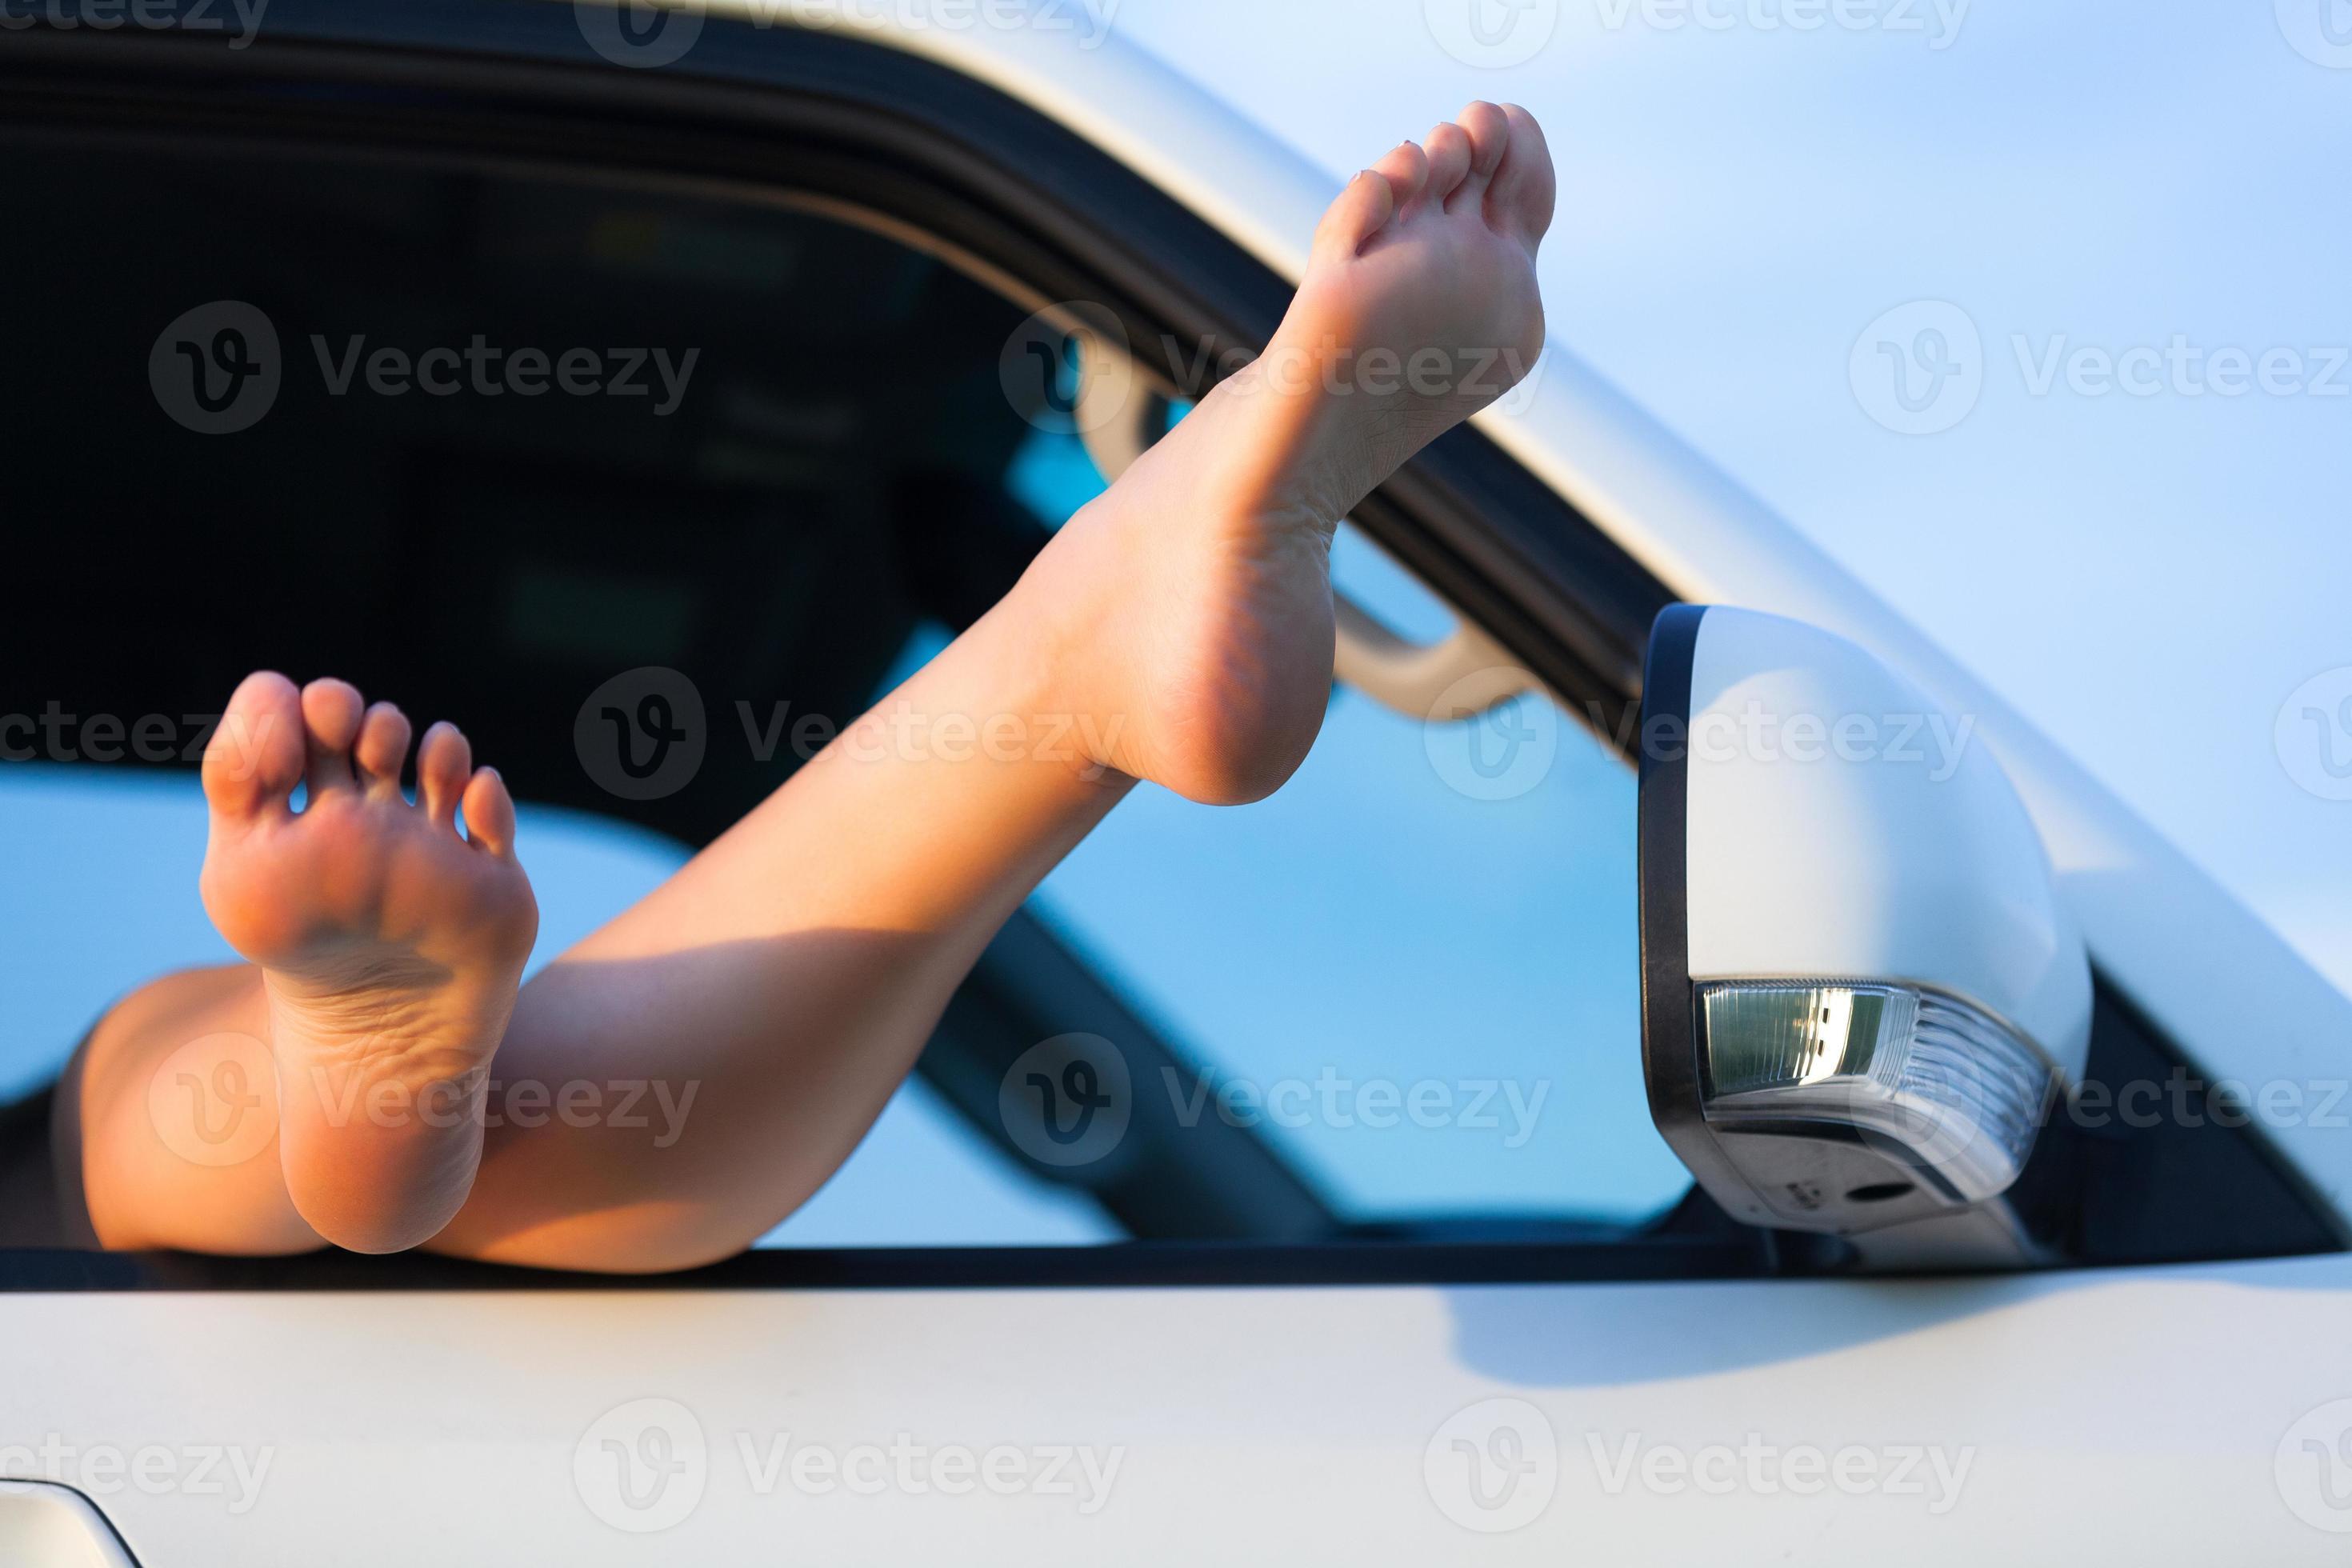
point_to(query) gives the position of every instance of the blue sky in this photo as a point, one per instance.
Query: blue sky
(2148, 578)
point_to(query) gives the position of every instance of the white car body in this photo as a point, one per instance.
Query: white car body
(2179, 1415)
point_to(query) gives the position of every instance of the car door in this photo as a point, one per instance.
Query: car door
(1351, 1241)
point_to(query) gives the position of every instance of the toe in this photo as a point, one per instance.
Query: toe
(1407, 171)
(1489, 130)
(331, 713)
(489, 814)
(383, 748)
(1448, 150)
(444, 763)
(1369, 202)
(1519, 201)
(255, 757)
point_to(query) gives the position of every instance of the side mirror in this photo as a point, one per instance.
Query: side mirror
(1861, 993)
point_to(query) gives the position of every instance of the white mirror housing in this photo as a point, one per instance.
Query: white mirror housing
(1862, 995)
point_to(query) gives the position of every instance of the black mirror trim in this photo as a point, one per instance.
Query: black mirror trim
(1672, 1066)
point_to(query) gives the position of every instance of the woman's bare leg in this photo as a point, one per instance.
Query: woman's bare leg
(1179, 629)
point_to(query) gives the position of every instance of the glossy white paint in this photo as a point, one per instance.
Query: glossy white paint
(1842, 826)
(52, 1526)
(2228, 987)
(2087, 1419)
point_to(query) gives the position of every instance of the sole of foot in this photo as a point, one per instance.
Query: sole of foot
(390, 944)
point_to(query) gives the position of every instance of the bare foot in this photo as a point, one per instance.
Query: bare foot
(390, 946)
(1419, 308)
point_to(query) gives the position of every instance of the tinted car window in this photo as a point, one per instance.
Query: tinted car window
(317, 417)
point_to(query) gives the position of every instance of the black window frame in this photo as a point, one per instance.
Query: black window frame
(512, 83)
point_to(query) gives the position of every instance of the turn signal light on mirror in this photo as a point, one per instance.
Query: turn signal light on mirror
(1949, 1095)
